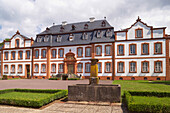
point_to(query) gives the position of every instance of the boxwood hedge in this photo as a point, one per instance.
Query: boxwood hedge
(152, 108)
(54, 94)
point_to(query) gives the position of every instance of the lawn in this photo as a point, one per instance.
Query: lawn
(130, 85)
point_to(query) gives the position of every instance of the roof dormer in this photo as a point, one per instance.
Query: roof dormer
(39, 39)
(86, 26)
(99, 34)
(103, 24)
(46, 38)
(108, 33)
(71, 37)
(59, 38)
(73, 27)
(85, 36)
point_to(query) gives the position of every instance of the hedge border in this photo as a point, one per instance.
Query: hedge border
(57, 94)
(156, 108)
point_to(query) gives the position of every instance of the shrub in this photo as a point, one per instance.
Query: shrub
(4, 77)
(73, 78)
(54, 78)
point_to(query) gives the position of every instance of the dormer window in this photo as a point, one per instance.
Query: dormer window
(99, 34)
(71, 37)
(61, 29)
(85, 36)
(46, 38)
(39, 39)
(73, 27)
(103, 24)
(17, 43)
(108, 33)
(139, 33)
(59, 38)
(86, 26)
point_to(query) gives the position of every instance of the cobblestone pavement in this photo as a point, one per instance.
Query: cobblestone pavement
(43, 83)
(65, 108)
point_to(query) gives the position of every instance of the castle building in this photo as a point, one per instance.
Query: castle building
(140, 52)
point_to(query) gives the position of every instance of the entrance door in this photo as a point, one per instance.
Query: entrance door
(70, 68)
(28, 71)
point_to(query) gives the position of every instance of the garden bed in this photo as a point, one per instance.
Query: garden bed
(30, 97)
(143, 101)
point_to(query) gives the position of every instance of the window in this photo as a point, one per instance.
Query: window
(120, 49)
(19, 68)
(39, 39)
(27, 54)
(13, 55)
(158, 48)
(103, 24)
(87, 68)
(85, 36)
(54, 53)
(43, 68)
(99, 67)
(12, 68)
(61, 68)
(120, 67)
(79, 67)
(86, 26)
(158, 66)
(108, 33)
(6, 56)
(145, 67)
(53, 68)
(139, 33)
(98, 50)
(99, 34)
(107, 67)
(43, 53)
(61, 53)
(80, 52)
(107, 50)
(46, 38)
(88, 51)
(36, 69)
(132, 49)
(17, 43)
(145, 49)
(20, 55)
(36, 53)
(5, 68)
(71, 37)
(59, 38)
(132, 67)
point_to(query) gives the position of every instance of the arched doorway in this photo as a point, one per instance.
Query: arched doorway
(70, 63)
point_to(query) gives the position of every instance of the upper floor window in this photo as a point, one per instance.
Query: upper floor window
(99, 67)
(132, 67)
(71, 37)
(17, 43)
(12, 68)
(79, 67)
(86, 26)
(36, 68)
(53, 68)
(43, 53)
(46, 38)
(120, 49)
(87, 68)
(103, 24)
(120, 67)
(139, 33)
(145, 48)
(19, 68)
(145, 67)
(132, 49)
(36, 53)
(6, 56)
(99, 34)
(80, 52)
(108, 33)
(108, 67)
(108, 50)
(61, 68)
(61, 53)
(13, 55)
(6, 69)
(20, 56)
(59, 38)
(88, 51)
(43, 68)
(158, 48)
(158, 66)
(85, 36)
(53, 53)
(98, 50)
(39, 39)
(27, 54)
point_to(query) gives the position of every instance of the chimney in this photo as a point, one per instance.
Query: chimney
(92, 19)
(64, 23)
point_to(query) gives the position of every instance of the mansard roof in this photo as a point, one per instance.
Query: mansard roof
(93, 28)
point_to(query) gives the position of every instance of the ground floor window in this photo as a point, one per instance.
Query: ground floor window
(79, 67)
(99, 67)
(43, 68)
(145, 66)
(53, 68)
(36, 68)
(108, 67)
(132, 67)
(61, 68)
(12, 68)
(120, 67)
(6, 68)
(19, 68)
(88, 67)
(158, 66)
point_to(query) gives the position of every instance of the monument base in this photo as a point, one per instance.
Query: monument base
(95, 93)
(93, 80)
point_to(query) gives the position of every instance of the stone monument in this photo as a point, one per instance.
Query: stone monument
(93, 91)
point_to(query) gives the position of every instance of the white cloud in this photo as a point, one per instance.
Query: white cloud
(33, 16)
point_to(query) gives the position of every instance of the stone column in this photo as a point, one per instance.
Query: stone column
(94, 72)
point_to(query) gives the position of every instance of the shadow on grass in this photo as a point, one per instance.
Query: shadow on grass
(156, 82)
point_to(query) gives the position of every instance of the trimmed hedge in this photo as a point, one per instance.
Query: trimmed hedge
(152, 108)
(55, 94)
(73, 78)
(54, 79)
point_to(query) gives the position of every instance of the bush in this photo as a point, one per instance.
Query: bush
(73, 78)
(4, 77)
(136, 107)
(54, 78)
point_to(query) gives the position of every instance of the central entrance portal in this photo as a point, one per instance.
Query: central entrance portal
(70, 68)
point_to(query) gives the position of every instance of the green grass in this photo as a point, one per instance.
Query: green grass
(24, 95)
(130, 85)
(151, 100)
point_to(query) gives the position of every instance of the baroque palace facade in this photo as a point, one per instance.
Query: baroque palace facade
(140, 52)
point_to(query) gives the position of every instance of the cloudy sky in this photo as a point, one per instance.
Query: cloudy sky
(33, 16)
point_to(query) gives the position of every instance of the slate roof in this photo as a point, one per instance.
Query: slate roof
(93, 27)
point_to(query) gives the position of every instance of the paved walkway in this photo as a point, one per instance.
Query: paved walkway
(43, 83)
